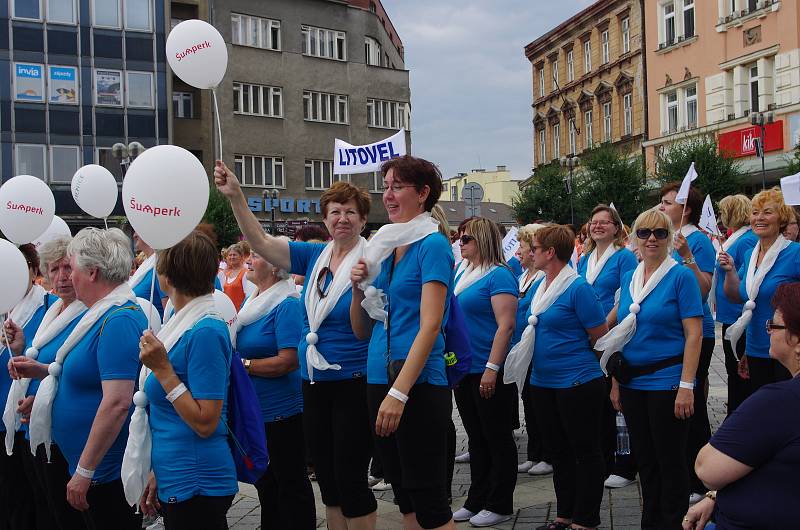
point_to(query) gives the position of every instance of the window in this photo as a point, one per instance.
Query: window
(587, 130)
(754, 88)
(672, 112)
(386, 114)
(541, 82)
(30, 9)
(325, 43)
(320, 106)
(183, 104)
(669, 23)
(29, 82)
(555, 74)
(607, 121)
(319, 174)
(62, 85)
(573, 147)
(688, 19)
(542, 146)
(556, 140)
(139, 89)
(256, 32)
(372, 51)
(752, 5)
(260, 171)
(108, 87)
(570, 66)
(626, 35)
(627, 111)
(257, 100)
(604, 46)
(64, 162)
(29, 160)
(106, 13)
(587, 56)
(61, 11)
(138, 15)
(691, 107)
(106, 159)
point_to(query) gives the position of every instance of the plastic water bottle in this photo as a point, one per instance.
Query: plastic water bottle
(623, 440)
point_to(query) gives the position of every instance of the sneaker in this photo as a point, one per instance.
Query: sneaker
(694, 498)
(542, 468)
(525, 466)
(462, 514)
(158, 524)
(463, 458)
(487, 518)
(371, 481)
(615, 481)
(382, 486)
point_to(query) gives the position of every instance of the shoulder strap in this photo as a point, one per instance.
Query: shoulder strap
(117, 310)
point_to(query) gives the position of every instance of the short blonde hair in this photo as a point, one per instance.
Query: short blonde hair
(527, 232)
(774, 195)
(488, 240)
(654, 218)
(734, 211)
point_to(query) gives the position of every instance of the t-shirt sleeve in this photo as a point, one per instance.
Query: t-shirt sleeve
(288, 324)
(502, 282)
(208, 353)
(627, 262)
(588, 307)
(704, 254)
(302, 256)
(118, 345)
(690, 302)
(436, 260)
(581, 267)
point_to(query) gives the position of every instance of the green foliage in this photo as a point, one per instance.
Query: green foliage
(794, 162)
(220, 214)
(546, 198)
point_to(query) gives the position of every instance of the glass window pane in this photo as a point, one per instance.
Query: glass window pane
(246, 98)
(257, 100)
(276, 103)
(309, 179)
(107, 160)
(106, 13)
(279, 173)
(61, 11)
(27, 9)
(140, 89)
(312, 50)
(235, 27)
(137, 14)
(268, 172)
(236, 95)
(252, 37)
(258, 175)
(64, 163)
(30, 160)
(276, 37)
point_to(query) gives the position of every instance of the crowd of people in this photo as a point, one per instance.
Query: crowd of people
(344, 342)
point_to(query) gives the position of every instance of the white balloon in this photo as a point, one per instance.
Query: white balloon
(14, 281)
(226, 309)
(58, 228)
(95, 190)
(27, 207)
(165, 194)
(196, 52)
(153, 318)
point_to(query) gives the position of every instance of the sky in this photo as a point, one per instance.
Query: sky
(470, 80)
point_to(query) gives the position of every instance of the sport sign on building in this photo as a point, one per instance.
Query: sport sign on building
(742, 142)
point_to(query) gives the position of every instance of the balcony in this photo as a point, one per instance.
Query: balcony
(736, 19)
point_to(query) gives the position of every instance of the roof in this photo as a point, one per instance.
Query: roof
(498, 212)
(532, 48)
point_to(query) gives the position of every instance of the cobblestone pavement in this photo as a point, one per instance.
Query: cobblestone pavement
(534, 498)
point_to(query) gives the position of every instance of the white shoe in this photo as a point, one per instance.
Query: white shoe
(371, 481)
(615, 481)
(382, 486)
(463, 459)
(542, 468)
(487, 518)
(694, 498)
(462, 514)
(525, 466)
(158, 524)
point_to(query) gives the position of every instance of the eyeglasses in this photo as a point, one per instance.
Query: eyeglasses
(645, 233)
(465, 239)
(395, 187)
(322, 289)
(601, 223)
(771, 326)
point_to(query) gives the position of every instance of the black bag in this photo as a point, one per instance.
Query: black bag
(623, 372)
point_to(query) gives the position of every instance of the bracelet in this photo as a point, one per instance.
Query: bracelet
(399, 396)
(85, 473)
(492, 366)
(712, 494)
(176, 392)
(689, 261)
(687, 386)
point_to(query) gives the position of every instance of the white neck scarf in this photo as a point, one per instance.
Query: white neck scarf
(318, 308)
(53, 323)
(25, 308)
(146, 266)
(381, 246)
(136, 460)
(623, 332)
(467, 274)
(256, 307)
(594, 265)
(524, 283)
(753, 284)
(41, 414)
(520, 356)
(712, 294)
(688, 229)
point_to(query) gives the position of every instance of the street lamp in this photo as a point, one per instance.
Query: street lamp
(126, 154)
(570, 162)
(272, 195)
(761, 119)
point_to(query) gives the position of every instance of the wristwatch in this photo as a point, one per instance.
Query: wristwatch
(247, 363)
(711, 495)
(689, 261)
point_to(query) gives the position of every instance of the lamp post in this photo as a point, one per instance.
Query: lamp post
(570, 162)
(126, 154)
(761, 120)
(272, 195)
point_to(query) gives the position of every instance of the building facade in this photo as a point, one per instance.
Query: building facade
(712, 65)
(588, 82)
(498, 185)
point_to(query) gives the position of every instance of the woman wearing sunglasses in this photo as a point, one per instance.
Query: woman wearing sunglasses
(752, 459)
(652, 353)
(331, 357)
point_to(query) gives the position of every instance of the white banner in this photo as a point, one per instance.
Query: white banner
(349, 159)
(510, 243)
(790, 186)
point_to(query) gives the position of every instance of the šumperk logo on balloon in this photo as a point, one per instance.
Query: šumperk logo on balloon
(196, 52)
(27, 207)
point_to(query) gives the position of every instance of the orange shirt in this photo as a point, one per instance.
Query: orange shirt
(234, 288)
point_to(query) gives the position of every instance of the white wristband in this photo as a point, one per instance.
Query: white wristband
(492, 366)
(176, 392)
(399, 396)
(85, 473)
(687, 386)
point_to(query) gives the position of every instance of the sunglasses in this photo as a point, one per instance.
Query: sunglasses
(465, 239)
(321, 277)
(771, 326)
(645, 233)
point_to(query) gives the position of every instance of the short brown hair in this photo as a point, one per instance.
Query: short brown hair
(31, 256)
(694, 202)
(558, 237)
(785, 301)
(191, 265)
(342, 192)
(420, 173)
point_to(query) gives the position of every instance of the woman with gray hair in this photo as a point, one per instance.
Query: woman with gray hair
(84, 403)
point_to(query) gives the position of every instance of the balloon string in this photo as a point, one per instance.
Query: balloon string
(152, 293)
(219, 125)
(105, 222)
(8, 347)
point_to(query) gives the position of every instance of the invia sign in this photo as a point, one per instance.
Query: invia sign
(284, 205)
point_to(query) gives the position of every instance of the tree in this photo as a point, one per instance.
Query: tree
(718, 174)
(545, 198)
(220, 214)
(794, 162)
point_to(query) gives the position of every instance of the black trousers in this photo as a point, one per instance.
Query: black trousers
(451, 452)
(415, 457)
(341, 443)
(492, 450)
(699, 427)
(108, 508)
(570, 420)
(658, 439)
(287, 500)
(54, 476)
(17, 511)
(535, 450)
(208, 513)
(737, 387)
(43, 515)
(620, 465)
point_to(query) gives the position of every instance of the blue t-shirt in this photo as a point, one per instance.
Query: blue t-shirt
(727, 311)
(763, 433)
(47, 354)
(428, 260)
(562, 354)
(659, 327)
(336, 342)
(515, 266)
(279, 397)
(476, 303)
(610, 277)
(523, 305)
(186, 465)
(786, 269)
(142, 290)
(109, 351)
(705, 256)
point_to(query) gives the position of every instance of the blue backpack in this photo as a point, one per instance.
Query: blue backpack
(457, 346)
(246, 434)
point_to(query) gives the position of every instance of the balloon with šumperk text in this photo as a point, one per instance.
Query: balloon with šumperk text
(225, 307)
(95, 190)
(15, 280)
(58, 228)
(165, 194)
(27, 207)
(153, 318)
(196, 52)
